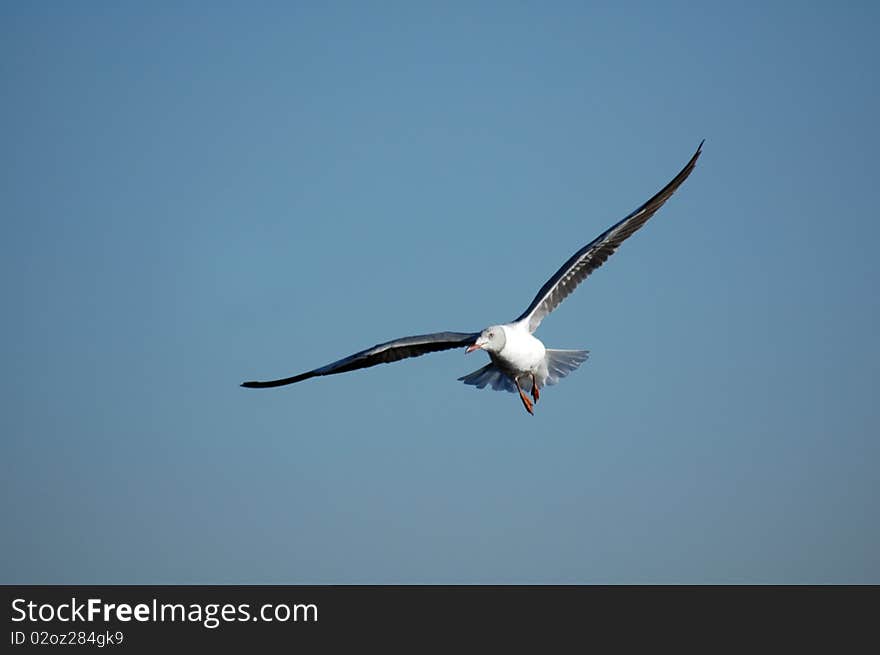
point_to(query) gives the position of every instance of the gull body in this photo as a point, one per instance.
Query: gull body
(522, 352)
(519, 362)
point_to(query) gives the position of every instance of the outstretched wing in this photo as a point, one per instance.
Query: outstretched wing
(382, 353)
(593, 255)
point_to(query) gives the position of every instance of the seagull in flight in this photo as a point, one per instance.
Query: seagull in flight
(519, 362)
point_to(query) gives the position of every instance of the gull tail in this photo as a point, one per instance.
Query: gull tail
(492, 376)
(562, 362)
(557, 364)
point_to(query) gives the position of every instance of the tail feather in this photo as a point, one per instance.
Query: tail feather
(489, 375)
(558, 363)
(562, 362)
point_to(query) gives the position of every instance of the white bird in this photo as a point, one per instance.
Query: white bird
(519, 361)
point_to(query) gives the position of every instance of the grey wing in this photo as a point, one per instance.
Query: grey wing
(383, 353)
(593, 255)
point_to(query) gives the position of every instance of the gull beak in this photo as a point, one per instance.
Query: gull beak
(472, 348)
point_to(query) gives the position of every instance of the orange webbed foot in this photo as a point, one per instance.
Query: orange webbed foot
(527, 403)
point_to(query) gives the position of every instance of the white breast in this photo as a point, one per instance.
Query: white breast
(522, 353)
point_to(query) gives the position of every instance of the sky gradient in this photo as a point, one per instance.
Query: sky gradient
(198, 194)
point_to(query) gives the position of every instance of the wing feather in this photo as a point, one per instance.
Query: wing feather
(383, 353)
(593, 255)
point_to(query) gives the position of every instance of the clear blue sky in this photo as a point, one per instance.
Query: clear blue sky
(197, 194)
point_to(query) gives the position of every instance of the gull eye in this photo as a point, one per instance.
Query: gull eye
(491, 335)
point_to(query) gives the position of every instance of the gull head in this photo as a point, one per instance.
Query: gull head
(492, 340)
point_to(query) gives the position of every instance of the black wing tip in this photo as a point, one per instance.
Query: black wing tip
(680, 178)
(254, 384)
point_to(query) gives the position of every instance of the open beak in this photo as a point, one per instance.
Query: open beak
(473, 347)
